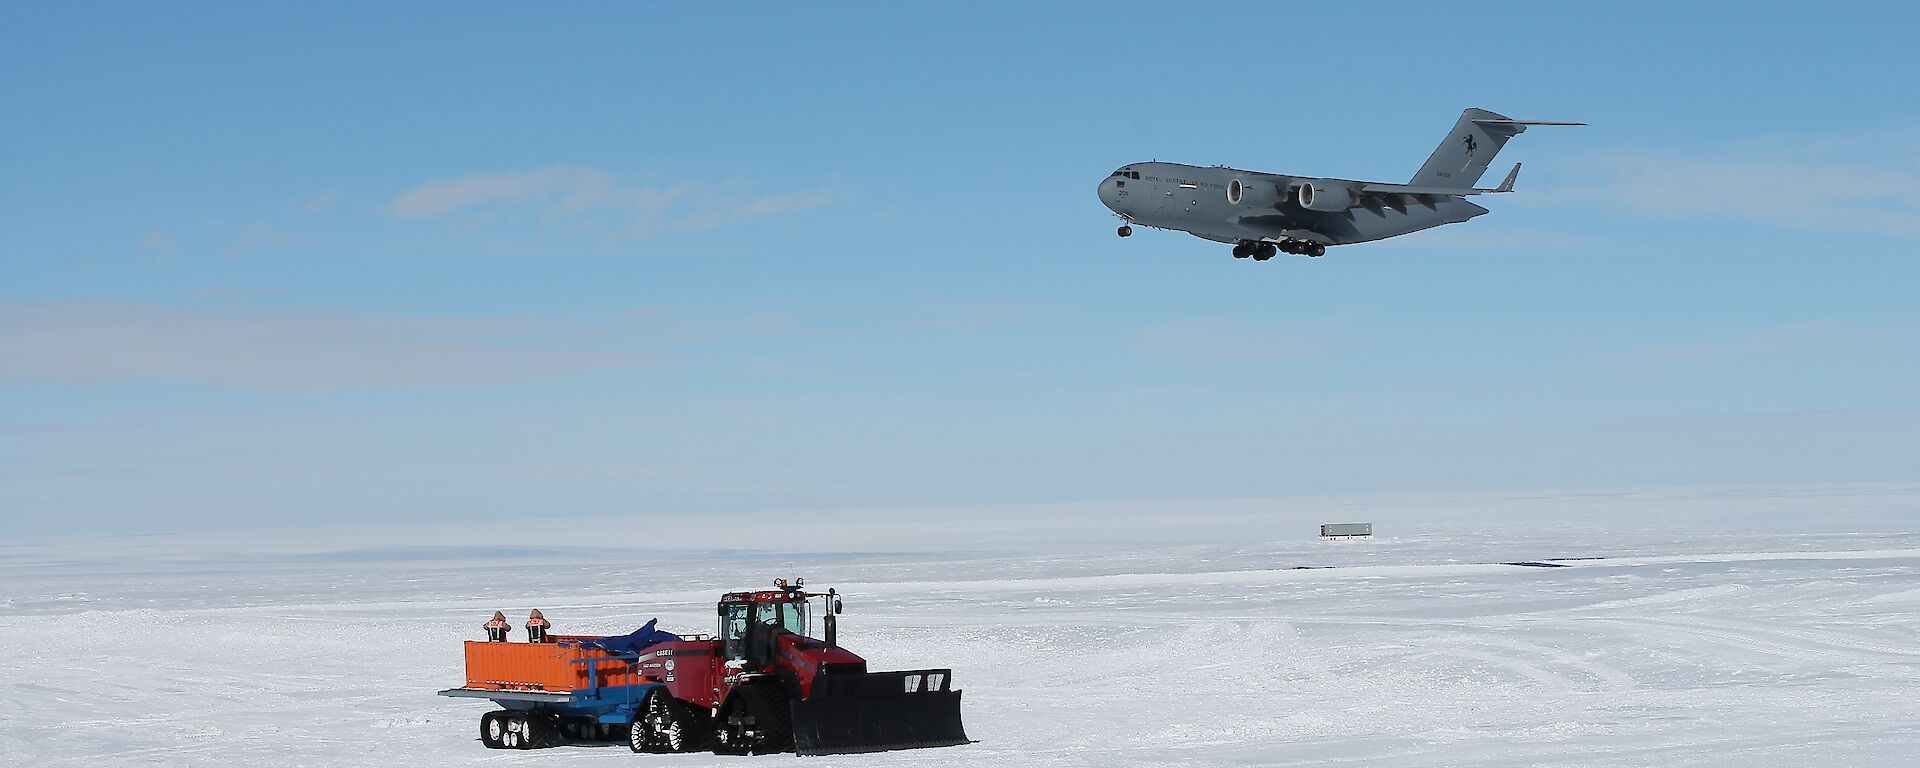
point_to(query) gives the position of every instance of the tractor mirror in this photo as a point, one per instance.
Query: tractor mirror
(838, 607)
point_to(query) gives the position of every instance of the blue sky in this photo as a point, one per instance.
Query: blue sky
(265, 266)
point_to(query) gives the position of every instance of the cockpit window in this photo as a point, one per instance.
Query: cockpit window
(1135, 175)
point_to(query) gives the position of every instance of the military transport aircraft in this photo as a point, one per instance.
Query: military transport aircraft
(1264, 213)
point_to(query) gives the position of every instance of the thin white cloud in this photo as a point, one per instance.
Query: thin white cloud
(281, 350)
(1816, 185)
(564, 189)
(718, 212)
(977, 317)
(321, 202)
(596, 196)
(1483, 239)
(1222, 341)
(1774, 341)
(257, 237)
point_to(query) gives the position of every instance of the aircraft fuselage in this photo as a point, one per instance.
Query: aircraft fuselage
(1266, 213)
(1193, 199)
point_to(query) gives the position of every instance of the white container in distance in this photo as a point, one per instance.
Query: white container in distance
(1346, 531)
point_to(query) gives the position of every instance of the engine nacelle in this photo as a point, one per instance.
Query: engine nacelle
(1252, 194)
(1322, 196)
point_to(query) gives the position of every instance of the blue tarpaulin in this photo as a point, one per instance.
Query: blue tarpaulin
(633, 642)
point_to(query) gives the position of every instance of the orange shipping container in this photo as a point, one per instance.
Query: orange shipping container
(543, 666)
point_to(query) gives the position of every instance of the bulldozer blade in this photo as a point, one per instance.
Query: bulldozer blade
(878, 711)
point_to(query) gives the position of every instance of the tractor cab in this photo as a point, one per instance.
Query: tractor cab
(752, 622)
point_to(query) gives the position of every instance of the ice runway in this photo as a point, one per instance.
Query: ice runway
(1412, 650)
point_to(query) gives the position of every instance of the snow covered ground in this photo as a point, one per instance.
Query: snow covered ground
(1720, 629)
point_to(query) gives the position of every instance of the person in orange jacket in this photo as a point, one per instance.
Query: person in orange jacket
(498, 628)
(537, 627)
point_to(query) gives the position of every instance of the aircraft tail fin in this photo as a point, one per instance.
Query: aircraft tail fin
(1462, 158)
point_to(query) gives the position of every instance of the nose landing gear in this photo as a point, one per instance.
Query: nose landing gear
(1125, 231)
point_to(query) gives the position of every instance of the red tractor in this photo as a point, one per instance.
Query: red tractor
(763, 685)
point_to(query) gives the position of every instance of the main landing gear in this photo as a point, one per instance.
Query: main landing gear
(1264, 251)
(1258, 251)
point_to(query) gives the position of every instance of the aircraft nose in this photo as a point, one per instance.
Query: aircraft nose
(1107, 194)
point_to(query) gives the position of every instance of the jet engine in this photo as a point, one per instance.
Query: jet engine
(1252, 194)
(1321, 196)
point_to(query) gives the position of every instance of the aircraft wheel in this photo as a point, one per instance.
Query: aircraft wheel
(1243, 250)
(1316, 250)
(1126, 231)
(1267, 250)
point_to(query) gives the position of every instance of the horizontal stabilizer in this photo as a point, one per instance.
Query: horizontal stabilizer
(1462, 158)
(1506, 185)
(1485, 121)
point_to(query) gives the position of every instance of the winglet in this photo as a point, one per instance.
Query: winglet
(1506, 185)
